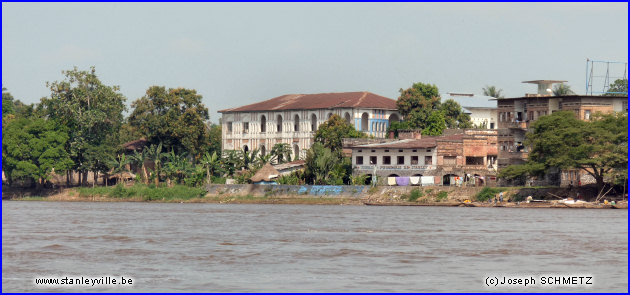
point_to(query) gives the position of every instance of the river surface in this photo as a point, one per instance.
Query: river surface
(176, 247)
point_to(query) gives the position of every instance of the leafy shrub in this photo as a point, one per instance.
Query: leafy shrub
(487, 193)
(441, 196)
(414, 195)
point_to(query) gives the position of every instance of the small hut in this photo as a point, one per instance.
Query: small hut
(266, 175)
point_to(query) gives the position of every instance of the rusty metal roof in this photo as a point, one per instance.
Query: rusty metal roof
(319, 101)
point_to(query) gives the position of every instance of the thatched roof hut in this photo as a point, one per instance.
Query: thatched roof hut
(266, 173)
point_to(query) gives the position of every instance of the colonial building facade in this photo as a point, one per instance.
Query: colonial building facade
(469, 155)
(294, 118)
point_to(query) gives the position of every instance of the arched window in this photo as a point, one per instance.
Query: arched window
(296, 123)
(279, 122)
(245, 148)
(263, 124)
(393, 118)
(364, 121)
(296, 152)
(263, 150)
(313, 123)
(348, 118)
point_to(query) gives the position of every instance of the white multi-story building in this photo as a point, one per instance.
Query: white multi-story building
(294, 118)
(482, 109)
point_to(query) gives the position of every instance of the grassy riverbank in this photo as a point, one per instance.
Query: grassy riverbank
(175, 194)
(383, 196)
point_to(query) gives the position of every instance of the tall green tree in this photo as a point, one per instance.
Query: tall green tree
(619, 87)
(321, 162)
(454, 115)
(435, 124)
(12, 108)
(214, 138)
(174, 117)
(420, 98)
(492, 91)
(32, 148)
(597, 147)
(7, 103)
(93, 113)
(331, 132)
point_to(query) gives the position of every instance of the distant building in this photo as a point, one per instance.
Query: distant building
(482, 109)
(294, 118)
(458, 156)
(516, 115)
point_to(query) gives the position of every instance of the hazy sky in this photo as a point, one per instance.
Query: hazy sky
(236, 54)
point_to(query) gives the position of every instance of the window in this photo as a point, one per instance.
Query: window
(400, 151)
(587, 115)
(491, 125)
(401, 160)
(387, 151)
(428, 160)
(373, 160)
(279, 123)
(449, 160)
(373, 151)
(245, 127)
(360, 151)
(387, 160)
(359, 160)
(414, 160)
(429, 150)
(263, 124)
(415, 151)
(229, 127)
(474, 160)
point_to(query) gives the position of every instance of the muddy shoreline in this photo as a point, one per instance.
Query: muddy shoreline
(71, 195)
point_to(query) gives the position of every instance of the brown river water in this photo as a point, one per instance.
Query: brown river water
(176, 247)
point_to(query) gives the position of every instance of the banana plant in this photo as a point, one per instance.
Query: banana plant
(212, 163)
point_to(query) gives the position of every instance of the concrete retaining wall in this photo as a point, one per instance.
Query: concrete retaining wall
(331, 191)
(307, 190)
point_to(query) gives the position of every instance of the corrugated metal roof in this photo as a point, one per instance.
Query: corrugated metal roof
(319, 101)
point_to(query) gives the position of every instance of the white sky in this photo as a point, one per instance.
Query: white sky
(240, 53)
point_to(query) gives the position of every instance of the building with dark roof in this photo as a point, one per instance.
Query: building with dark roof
(294, 118)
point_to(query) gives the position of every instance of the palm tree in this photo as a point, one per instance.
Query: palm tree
(140, 159)
(492, 91)
(230, 161)
(264, 159)
(154, 153)
(176, 166)
(282, 151)
(247, 158)
(119, 165)
(562, 89)
(211, 163)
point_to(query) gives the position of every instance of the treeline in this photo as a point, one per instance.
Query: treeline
(81, 128)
